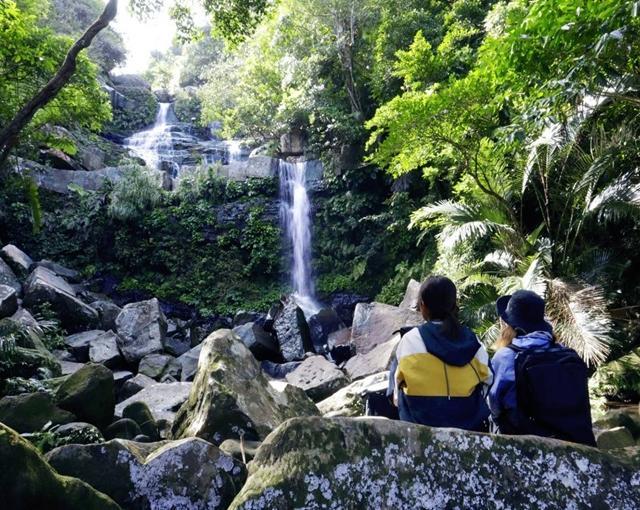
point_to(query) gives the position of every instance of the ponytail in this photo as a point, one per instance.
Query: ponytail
(450, 323)
(439, 295)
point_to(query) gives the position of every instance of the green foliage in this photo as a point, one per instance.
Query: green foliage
(136, 193)
(136, 113)
(29, 57)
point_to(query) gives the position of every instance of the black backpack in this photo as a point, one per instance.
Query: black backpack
(552, 394)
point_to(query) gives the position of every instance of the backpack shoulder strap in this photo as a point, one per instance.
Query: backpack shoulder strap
(516, 348)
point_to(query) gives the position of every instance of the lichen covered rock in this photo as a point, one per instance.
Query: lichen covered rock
(190, 474)
(231, 396)
(27, 482)
(346, 463)
(348, 402)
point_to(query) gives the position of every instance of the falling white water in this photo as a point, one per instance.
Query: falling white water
(164, 146)
(234, 150)
(295, 210)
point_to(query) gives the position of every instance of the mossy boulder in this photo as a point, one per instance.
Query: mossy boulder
(27, 482)
(190, 474)
(618, 437)
(89, 394)
(386, 464)
(29, 412)
(231, 397)
(140, 413)
(123, 428)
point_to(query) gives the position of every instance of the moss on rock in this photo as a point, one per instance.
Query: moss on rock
(27, 482)
(316, 463)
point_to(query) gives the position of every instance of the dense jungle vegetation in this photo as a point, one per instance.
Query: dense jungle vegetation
(496, 142)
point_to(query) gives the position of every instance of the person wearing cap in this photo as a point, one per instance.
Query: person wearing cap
(555, 394)
(441, 372)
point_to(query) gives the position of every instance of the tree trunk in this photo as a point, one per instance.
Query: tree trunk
(10, 133)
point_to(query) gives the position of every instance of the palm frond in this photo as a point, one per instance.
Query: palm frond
(581, 320)
(619, 199)
(542, 151)
(501, 259)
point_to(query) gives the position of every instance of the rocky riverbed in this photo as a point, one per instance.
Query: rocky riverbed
(138, 408)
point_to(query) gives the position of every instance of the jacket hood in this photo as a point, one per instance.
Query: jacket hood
(453, 351)
(535, 339)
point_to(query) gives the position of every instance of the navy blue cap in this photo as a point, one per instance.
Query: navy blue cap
(523, 310)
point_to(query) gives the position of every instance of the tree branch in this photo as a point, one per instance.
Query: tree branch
(10, 133)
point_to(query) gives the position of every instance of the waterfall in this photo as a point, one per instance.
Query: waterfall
(234, 150)
(164, 145)
(295, 210)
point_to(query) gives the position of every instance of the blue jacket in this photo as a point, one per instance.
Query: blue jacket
(441, 381)
(502, 395)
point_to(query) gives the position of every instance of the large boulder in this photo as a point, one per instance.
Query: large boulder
(44, 286)
(133, 385)
(292, 331)
(8, 277)
(89, 394)
(155, 365)
(163, 400)
(349, 402)
(30, 412)
(17, 260)
(261, 344)
(231, 397)
(318, 377)
(71, 275)
(27, 482)
(190, 474)
(411, 296)
(386, 464)
(377, 360)
(104, 350)
(321, 325)
(375, 323)
(30, 362)
(79, 343)
(8, 301)
(618, 437)
(141, 328)
(189, 363)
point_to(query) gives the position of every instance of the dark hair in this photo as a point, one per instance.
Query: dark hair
(439, 295)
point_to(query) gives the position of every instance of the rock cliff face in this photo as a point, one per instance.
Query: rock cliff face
(383, 464)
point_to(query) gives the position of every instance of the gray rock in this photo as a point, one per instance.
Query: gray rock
(177, 346)
(318, 378)
(348, 401)
(292, 332)
(8, 277)
(377, 360)
(242, 317)
(411, 296)
(189, 363)
(69, 367)
(279, 370)
(618, 437)
(292, 143)
(255, 167)
(78, 432)
(141, 329)
(124, 428)
(8, 301)
(79, 343)
(89, 394)
(321, 325)
(375, 323)
(190, 474)
(261, 344)
(30, 412)
(154, 365)
(244, 451)
(107, 311)
(44, 286)
(231, 396)
(91, 157)
(134, 385)
(384, 464)
(59, 181)
(19, 262)
(339, 338)
(24, 318)
(71, 275)
(120, 377)
(104, 350)
(163, 400)
(140, 413)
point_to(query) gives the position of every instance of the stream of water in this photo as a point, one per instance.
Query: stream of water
(295, 217)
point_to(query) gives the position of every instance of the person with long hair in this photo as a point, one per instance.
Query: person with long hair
(540, 386)
(441, 372)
